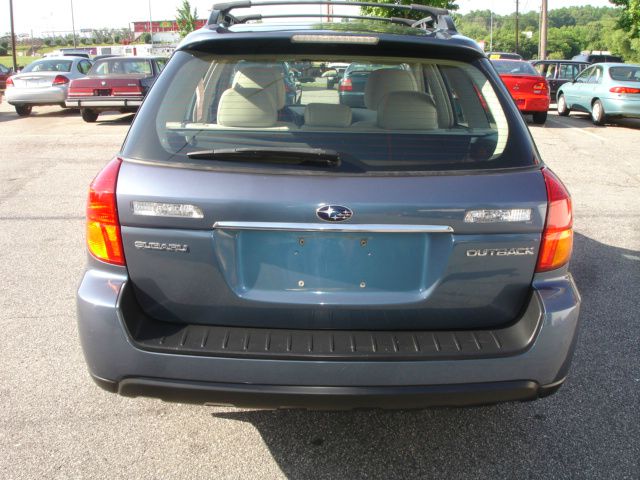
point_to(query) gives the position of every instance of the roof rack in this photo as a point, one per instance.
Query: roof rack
(435, 18)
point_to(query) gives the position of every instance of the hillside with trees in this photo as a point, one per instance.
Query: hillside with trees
(571, 30)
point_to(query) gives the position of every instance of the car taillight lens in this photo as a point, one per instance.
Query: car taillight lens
(103, 227)
(540, 87)
(345, 85)
(9, 82)
(624, 90)
(60, 80)
(557, 237)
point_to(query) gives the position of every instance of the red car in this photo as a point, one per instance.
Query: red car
(5, 73)
(115, 83)
(529, 90)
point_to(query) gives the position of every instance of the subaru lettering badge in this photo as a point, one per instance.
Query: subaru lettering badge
(334, 213)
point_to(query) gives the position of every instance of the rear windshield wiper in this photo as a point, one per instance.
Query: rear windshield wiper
(316, 157)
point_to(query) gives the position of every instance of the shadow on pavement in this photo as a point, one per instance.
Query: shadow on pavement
(587, 426)
(120, 120)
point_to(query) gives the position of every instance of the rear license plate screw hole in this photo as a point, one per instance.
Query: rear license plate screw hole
(363, 242)
(301, 242)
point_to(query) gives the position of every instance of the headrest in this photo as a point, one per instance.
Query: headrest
(384, 81)
(327, 115)
(265, 78)
(250, 109)
(407, 111)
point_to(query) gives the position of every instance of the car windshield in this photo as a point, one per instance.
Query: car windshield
(513, 67)
(129, 66)
(625, 74)
(412, 115)
(49, 66)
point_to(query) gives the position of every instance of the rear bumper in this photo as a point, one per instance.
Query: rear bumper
(532, 104)
(104, 102)
(36, 96)
(121, 364)
(621, 107)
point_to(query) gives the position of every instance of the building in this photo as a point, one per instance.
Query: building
(163, 31)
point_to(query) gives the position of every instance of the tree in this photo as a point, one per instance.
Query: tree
(630, 19)
(387, 12)
(186, 19)
(146, 37)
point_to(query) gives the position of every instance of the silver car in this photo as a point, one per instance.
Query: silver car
(44, 82)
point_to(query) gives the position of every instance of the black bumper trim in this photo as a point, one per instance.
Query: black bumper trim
(326, 345)
(330, 398)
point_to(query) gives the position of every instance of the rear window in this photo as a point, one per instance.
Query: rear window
(412, 115)
(49, 66)
(122, 67)
(625, 74)
(513, 67)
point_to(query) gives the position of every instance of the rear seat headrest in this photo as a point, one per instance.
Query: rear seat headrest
(384, 81)
(265, 78)
(407, 111)
(327, 115)
(247, 109)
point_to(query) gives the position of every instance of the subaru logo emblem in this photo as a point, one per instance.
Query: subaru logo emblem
(334, 213)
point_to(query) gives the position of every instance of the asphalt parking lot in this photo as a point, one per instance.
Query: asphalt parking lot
(56, 424)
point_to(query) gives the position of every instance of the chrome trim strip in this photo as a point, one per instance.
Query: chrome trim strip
(333, 227)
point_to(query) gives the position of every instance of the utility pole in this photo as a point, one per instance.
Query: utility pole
(491, 30)
(544, 25)
(150, 24)
(73, 26)
(517, 26)
(13, 37)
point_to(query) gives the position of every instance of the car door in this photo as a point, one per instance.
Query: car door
(589, 89)
(573, 92)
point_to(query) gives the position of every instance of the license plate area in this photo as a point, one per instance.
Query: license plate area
(102, 92)
(304, 267)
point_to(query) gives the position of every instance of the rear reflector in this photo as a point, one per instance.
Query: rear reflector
(557, 237)
(358, 39)
(498, 215)
(624, 90)
(103, 227)
(175, 210)
(60, 80)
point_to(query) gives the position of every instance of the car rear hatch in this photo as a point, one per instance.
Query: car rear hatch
(445, 223)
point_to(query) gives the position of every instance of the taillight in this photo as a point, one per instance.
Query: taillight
(9, 82)
(345, 85)
(624, 90)
(557, 237)
(60, 80)
(540, 88)
(103, 227)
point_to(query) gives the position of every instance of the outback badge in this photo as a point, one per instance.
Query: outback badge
(334, 213)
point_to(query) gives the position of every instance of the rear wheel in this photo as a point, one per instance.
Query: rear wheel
(540, 117)
(23, 110)
(563, 110)
(89, 115)
(598, 115)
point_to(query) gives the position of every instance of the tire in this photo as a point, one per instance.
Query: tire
(23, 110)
(89, 115)
(563, 110)
(598, 115)
(539, 118)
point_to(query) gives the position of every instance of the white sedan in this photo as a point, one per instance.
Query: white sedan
(44, 82)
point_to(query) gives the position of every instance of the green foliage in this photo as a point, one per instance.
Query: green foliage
(571, 30)
(60, 41)
(386, 12)
(146, 37)
(3, 51)
(630, 17)
(4, 44)
(186, 19)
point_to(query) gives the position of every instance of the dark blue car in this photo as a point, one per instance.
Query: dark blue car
(247, 251)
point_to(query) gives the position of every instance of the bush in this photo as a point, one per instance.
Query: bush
(3, 51)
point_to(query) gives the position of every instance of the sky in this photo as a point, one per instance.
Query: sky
(46, 16)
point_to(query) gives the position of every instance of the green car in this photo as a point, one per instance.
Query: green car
(604, 90)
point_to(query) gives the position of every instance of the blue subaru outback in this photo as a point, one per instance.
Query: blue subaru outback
(408, 252)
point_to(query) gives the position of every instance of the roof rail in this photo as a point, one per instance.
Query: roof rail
(435, 18)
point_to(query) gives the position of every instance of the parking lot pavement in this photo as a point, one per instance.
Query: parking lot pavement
(57, 425)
